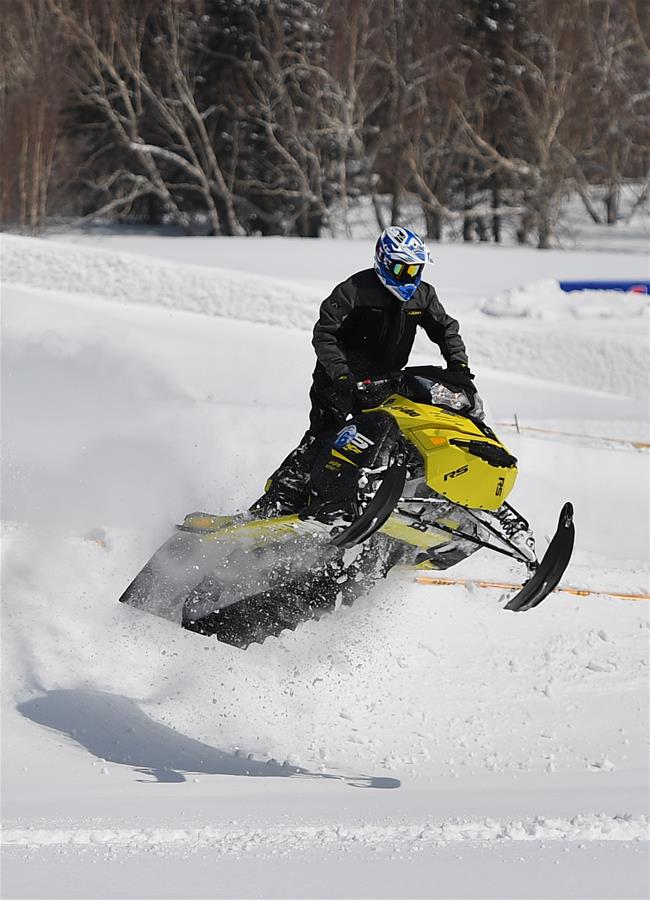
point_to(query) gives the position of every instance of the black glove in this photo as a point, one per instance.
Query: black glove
(346, 398)
(459, 375)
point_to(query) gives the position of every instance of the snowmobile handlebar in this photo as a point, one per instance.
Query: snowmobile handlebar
(369, 383)
(371, 391)
(400, 378)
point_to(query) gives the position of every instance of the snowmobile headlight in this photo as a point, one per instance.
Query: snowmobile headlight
(444, 396)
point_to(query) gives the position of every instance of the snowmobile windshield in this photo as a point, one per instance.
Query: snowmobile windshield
(440, 395)
(429, 390)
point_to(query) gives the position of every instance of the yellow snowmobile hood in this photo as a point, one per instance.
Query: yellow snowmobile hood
(463, 462)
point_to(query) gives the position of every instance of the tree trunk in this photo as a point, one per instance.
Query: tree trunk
(589, 206)
(315, 223)
(379, 213)
(544, 232)
(310, 222)
(468, 220)
(481, 228)
(611, 204)
(525, 225)
(228, 223)
(153, 210)
(433, 220)
(396, 203)
(496, 219)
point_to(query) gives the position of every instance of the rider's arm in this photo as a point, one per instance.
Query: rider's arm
(333, 313)
(444, 331)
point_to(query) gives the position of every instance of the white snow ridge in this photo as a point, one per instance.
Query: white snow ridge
(421, 743)
(298, 838)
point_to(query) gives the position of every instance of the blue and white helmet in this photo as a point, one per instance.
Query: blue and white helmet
(400, 256)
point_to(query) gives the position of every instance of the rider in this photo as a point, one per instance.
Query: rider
(366, 328)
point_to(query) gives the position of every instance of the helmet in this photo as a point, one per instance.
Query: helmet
(400, 256)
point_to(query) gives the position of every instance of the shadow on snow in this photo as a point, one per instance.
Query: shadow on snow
(114, 728)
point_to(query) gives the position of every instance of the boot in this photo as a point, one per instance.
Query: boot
(287, 490)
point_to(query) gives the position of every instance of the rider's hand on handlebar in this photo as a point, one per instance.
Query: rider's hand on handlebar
(373, 390)
(459, 375)
(346, 398)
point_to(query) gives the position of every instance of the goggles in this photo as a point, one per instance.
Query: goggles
(404, 271)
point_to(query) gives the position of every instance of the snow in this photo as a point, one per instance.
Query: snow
(422, 743)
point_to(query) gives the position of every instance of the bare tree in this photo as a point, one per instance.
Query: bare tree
(32, 93)
(262, 115)
(618, 119)
(136, 74)
(577, 94)
(299, 125)
(435, 164)
(354, 59)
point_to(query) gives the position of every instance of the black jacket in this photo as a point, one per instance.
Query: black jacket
(364, 329)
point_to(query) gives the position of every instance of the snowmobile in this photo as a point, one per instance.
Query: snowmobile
(416, 478)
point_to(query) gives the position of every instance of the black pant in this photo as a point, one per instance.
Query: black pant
(287, 490)
(324, 418)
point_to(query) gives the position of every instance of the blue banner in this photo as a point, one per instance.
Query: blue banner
(635, 287)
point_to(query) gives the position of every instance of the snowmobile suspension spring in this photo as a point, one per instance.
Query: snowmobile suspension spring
(510, 520)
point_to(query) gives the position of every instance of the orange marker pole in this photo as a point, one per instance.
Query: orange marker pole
(577, 592)
(639, 445)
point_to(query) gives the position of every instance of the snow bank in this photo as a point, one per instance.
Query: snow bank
(596, 339)
(129, 278)
(562, 350)
(546, 300)
(301, 838)
(609, 362)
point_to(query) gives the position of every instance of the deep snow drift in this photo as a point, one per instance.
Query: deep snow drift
(140, 760)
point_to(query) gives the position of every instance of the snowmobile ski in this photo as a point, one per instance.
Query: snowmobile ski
(551, 568)
(377, 512)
